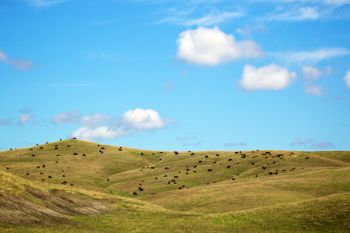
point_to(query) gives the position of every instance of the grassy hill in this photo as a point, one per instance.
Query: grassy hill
(77, 186)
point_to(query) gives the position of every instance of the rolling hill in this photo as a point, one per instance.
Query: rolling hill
(78, 186)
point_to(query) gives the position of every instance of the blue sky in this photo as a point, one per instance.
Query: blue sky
(199, 75)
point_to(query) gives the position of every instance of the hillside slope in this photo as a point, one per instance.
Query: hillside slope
(125, 189)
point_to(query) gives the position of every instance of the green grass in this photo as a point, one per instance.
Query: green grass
(305, 192)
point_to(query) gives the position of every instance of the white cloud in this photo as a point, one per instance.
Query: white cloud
(143, 119)
(66, 117)
(44, 3)
(101, 132)
(211, 46)
(271, 77)
(312, 56)
(299, 14)
(314, 90)
(347, 79)
(99, 126)
(18, 64)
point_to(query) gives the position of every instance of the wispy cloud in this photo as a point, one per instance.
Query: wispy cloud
(317, 2)
(16, 63)
(311, 56)
(250, 29)
(347, 78)
(316, 90)
(211, 19)
(337, 2)
(44, 3)
(5, 121)
(312, 74)
(198, 12)
(189, 140)
(299, 14)
(67, 117)
(313, 144)
(25, 116)
(214, 12)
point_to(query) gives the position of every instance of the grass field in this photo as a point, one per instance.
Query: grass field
(77, 186)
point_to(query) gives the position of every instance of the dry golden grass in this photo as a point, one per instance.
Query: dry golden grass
(252, 191)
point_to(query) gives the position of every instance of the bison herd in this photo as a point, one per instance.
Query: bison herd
(188, 169)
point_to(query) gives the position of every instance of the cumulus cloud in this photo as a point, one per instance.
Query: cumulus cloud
(311, 143)
(347, 79)
(271, 77)
(211, 46)
(66, 117)
(101, 132)
(142, 119)
(312, 56)
(18, 64)
(100, 126)
(299, 14)
(314, 90)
